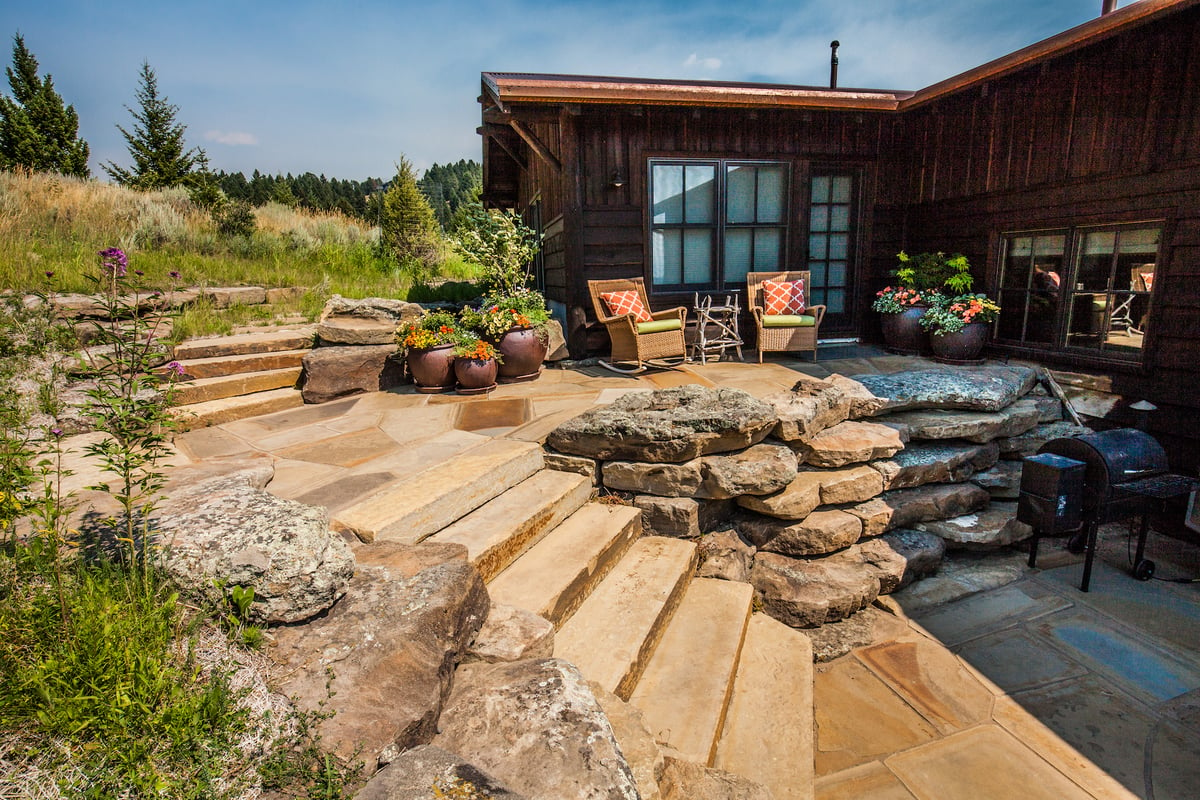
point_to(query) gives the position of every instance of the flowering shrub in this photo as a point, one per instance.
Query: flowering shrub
(952, 314)
(476, 349)
(897, 299)
(431, 330)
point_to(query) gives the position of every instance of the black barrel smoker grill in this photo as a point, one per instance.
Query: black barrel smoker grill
(1075, 485)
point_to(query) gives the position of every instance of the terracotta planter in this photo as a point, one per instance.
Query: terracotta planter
(964, 345)
(903, 334)
(432, 368)
(523, 352)
(475, 375)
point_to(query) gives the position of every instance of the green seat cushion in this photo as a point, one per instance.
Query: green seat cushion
(788, 321)
(659, 325)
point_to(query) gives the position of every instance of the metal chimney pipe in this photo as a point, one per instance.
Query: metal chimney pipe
(833, 60)
(1108, 7)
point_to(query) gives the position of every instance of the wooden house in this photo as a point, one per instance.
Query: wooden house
(1068, 172)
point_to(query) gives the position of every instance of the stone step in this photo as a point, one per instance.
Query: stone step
(269, 341)
(206, 389)
(768, 734)
(558, 573)
(685, 690)
(499, 531)
(229, 409)
(616, 630)
(410, 510)
(218, 366)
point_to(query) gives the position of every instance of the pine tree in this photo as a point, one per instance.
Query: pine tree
(408, 228)
(156, 144)
(36, 130)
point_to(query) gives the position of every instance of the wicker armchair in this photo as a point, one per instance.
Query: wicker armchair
(633, 345)
(801, 334)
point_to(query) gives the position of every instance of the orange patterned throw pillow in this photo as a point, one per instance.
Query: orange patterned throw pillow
(626, 302)
(783, 297)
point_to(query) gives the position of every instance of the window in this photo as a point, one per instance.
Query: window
(1082, 288)
(714, 221)
(829, 224)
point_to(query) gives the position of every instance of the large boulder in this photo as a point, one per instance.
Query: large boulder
(805, 593)
(987, 388)
(383, 658)
(668, 425)
(851, 442)
(907, 507)
(761, 469)
(665, 480)
(680, 517)
(902, 556)
(795, 501)
(925, 462)
(370, 321)
(334, 372)
(536, 726)
(423, 770)
(512, 634)
(820, 532)
(811, 406)
(1023, 445)
(992, 527)
(225, 530)
(725, 555)
(974, 426)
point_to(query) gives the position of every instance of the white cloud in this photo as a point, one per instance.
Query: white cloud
(232, 138)
(694, 60)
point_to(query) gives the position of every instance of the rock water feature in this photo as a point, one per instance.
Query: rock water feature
(830, 494)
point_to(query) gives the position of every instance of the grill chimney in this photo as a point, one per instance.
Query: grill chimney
(1108, 7)
(833, 60)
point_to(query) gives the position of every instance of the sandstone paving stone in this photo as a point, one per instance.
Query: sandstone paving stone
(820, 532)
(687, 780)
(974, 426)
(872, 780)
(392, 644)
(1002, 481)
(511, 634)
(983, 762)
(725, 555)
(417, 772)
(986, 388)
(272, 339)
(923, 462)
(757, 470)
(1027, 443)
(836, 639)
(963, 573)
(536, 726)
(671, 425)
(1016, 660)
(809, 407)
(588, 467)
(859, 718)
(989, 611)
(226, 296)
(991, 527)
(851, 442)
(932, 502)
(932, 680)
(804, 593)
(347, 330)
(794, 502)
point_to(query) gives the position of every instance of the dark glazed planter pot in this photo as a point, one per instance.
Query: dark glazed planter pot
(432, 368)
(903, 334)
(523, 352)
(475, 375)
(962, 346)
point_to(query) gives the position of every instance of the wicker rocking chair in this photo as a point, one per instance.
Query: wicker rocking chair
(659, 342)
(779, 334)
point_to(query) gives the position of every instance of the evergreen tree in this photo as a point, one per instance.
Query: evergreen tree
(408, 228)
(36, 130)
(156, 144)
(448, 187)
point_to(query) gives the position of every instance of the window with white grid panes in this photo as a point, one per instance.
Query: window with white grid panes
(830, 228)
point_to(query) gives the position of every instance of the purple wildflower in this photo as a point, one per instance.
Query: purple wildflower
(176, 369)
(49, 273)
(115, 261)
(174, 273)
(138, 272)
(56, 431)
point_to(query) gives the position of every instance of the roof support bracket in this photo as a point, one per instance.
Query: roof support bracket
(536, 144)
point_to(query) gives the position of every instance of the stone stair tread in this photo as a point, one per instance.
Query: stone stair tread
(216, 366)
(499, 531)
(294, 338)
(205, 389)
(768, 735)
(613, 635)
(230, 409)
(685, 690)
(412, 509)
(555, 575)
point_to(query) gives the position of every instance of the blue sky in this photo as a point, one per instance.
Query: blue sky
(343, 89)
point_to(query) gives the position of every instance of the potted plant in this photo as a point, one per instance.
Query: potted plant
(513, 316)
(428, 345)
(922, 280)
(475, 364)
(958, 326)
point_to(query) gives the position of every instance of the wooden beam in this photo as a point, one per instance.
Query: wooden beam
(510, 152)
(536, 145)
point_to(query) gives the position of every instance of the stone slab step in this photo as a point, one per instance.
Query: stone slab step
(768, 734)
(206, 389)
(218, 366)
(230, 409)
(616, 630)
(410, 510)
(499, 531)
(297, 338)
(559, 572)
(685, 690)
